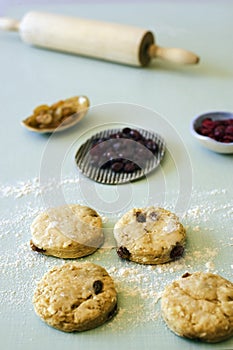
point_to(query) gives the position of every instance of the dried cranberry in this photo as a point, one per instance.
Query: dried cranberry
(117, 167)
(119, 135)
(228, 139)
(130, 167)
(113, 136)
(126, 131)
(151, 145)
(229, 130)
(219, 130)
(135, 135)
(122, 154)
(207, 122)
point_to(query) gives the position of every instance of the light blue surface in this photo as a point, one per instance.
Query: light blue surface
(31, 76)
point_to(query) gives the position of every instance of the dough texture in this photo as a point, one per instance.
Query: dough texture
(199, 306)
(149, 236)
(75, 297)
(70, 231)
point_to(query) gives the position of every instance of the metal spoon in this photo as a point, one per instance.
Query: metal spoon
(82, 104)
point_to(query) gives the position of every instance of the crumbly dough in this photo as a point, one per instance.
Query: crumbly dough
(70, 231)
(75, 297)
(199, 306)
(149, 236)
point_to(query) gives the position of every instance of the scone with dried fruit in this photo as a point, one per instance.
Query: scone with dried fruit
(75, 297)
(149, 236)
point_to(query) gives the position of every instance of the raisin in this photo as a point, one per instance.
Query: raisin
(123, 252)
(186, 274)
(126, 131)
(36, 249)
(177, 252)
(98, 286)
(127, 147)
(112, 312)
(140, 217)
(153, 216)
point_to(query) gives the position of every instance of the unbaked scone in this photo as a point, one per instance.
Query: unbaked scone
(70, 231)
(75, 297)
(149, 236)
(199, 306)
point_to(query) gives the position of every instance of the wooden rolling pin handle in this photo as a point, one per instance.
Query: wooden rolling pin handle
(9, 24)
(173, 54)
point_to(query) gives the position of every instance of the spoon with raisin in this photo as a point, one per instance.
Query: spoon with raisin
(59, 116)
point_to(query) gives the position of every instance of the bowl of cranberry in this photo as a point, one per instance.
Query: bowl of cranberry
(214, 130)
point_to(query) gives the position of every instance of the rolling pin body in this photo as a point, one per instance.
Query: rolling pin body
(108, 41)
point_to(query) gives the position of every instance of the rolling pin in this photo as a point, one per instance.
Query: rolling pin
(109, 41)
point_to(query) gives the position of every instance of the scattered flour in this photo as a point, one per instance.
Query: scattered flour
(209, 248)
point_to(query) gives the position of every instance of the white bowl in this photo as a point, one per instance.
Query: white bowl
(213, 145)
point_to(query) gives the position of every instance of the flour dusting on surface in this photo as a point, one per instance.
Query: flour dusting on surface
(208, 248)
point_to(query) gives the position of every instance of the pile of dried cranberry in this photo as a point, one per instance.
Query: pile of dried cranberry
(219, 130)
(124, 151)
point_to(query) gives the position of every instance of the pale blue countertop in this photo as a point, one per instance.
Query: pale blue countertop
(195, 182)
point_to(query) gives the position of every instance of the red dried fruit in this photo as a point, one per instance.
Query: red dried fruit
(229, 130)
(219, 130)
(128, 147)
(208, 123)
(205, 131)
(228, 139)
(130, 167)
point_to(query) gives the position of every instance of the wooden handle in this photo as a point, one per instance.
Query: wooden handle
(9, 24)
(173, 55)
